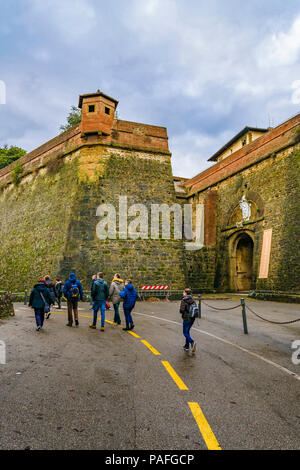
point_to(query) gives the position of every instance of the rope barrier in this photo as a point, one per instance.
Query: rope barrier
(270, 321)
(254, 313)
(216, 308)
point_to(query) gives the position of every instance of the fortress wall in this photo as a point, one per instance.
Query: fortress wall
(48, 221)
(273, 187)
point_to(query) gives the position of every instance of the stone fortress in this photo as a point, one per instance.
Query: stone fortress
(49, 199)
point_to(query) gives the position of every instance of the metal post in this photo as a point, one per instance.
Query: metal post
(199, 304)
(26, 295)
(244, 316)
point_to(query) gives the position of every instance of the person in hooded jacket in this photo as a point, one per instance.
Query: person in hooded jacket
(114, 294)
(188, 322)
(99, 296)
(51, 286)
(73, 292)
(58, 292)
(38, 296)
(129, 296)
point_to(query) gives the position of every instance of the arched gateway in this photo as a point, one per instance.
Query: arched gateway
(241, 261)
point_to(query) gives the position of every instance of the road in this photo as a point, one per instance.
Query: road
(77, 388)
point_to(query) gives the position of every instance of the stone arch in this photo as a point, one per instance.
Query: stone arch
(241, 257)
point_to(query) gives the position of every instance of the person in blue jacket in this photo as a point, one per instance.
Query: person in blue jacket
(38, 297)
(129, 296)
(73, 292)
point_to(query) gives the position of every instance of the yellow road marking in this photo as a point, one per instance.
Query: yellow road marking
(133, 334)
(205, 429)
(152, 349)
(181, 385)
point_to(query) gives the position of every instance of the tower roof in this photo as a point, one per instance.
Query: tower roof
(97, 93)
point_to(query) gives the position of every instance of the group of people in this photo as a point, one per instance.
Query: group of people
(46, 292)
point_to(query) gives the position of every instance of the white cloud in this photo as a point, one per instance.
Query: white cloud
(282, 48)
(296, 93)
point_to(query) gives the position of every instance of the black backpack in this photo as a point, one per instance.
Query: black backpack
(193, 311)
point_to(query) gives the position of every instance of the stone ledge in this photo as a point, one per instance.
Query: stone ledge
(275, 296)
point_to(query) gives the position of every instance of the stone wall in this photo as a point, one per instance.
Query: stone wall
(272, 186)
(48, 221)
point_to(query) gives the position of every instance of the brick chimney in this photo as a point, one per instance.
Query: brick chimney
(98, 111)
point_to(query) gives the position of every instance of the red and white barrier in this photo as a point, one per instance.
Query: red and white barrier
(154, 287)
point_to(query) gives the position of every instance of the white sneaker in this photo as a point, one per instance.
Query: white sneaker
(194, 347)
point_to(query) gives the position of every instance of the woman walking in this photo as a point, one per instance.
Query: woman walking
(39, 298)
(116, 287)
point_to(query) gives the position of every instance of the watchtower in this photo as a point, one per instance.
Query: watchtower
(98, 112)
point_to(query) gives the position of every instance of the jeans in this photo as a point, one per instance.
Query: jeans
(39, 316)
(117, 318)
(128, 317)
(187, 325)
(99, 304)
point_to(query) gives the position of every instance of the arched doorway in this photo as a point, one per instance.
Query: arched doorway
(243, 262)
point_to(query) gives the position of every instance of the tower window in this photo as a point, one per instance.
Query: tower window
(91, 108)
(107, 110)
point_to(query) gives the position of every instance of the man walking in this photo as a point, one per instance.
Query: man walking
(189, 312)
(73, 292)
(99, 296)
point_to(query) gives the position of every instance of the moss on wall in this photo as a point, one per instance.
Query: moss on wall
(48, 223)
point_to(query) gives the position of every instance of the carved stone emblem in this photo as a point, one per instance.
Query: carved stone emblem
(245, 208)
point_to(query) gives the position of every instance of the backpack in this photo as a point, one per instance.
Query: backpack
(193, 311)
(74, 291)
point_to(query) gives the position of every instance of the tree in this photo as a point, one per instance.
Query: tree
(74, 118)
(9, 155)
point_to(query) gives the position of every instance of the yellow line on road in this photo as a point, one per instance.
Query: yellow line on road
(152, 349)
(205, 429)
(181, 385)
(133, 334)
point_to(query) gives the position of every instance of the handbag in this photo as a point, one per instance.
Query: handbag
(47, 306)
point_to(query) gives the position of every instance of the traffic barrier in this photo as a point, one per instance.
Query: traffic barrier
(154, 287)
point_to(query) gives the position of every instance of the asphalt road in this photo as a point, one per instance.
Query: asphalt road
(77, 388)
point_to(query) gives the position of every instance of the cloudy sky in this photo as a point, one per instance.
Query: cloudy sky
(203, 69)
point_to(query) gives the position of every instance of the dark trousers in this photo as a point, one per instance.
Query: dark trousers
(39, 316)
(117, 318)
(58, 300)
(72, 306)
(186, 326)
(128, 317)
